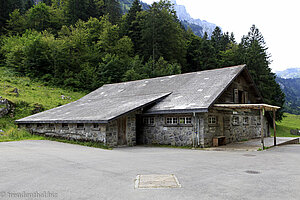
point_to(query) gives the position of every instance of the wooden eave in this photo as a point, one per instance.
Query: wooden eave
(266, 107)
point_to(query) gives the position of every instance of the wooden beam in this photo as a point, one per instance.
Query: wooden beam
(274, 126)
(262, 128)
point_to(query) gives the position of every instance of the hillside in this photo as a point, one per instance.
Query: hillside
(291, 89)
(31, 97)
(288, 123)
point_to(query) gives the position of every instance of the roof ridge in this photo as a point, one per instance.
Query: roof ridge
(236, 66)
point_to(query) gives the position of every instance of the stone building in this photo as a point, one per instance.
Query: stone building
(202, 109)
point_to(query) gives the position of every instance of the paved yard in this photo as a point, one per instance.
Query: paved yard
(253, 144)
(68, 171)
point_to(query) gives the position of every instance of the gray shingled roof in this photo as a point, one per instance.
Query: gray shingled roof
(191, 92)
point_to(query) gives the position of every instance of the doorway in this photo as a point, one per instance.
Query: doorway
(122, 121)
(139, 130)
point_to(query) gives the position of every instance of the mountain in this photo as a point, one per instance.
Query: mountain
(291, 89)
(289, 73)
(197, 25)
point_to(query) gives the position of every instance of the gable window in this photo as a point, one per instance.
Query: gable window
(185, 120)
(212, 120)
(80, 125)
(240, 96)
(171, 120)
(148, 121)
(235, 120)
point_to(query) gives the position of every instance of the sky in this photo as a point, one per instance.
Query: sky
(277, 20)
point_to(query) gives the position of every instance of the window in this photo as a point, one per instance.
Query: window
(246, 120)
(51, 125)
(235, 120)
(65, 125)
(240, 96)
(185, 120)
(171, 120)
(80, 125)
(95, 126)
(39, 125)
(148, 120)
(28, 125)
(212, 120)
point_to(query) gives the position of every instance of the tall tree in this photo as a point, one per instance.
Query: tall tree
(162, 35)
(132, 26)
(113, 10)
(253, 51)
(6, 7)
(76, 9)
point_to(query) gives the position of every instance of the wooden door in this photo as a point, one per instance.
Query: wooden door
(122, 131)
(139, 130)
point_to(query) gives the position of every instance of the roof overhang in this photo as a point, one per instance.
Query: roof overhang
(266, 107)
(183, 111)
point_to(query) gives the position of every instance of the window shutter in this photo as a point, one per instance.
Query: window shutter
(236, 96)
(246, 97)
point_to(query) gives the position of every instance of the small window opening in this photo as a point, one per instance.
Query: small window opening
(172, 120)
(246, 120)
(212, 120)
(80, 125)
(236, 120)
(148, 120)
(65, 125)
(95, 125)
(185, 120)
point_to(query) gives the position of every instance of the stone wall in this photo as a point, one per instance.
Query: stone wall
(112, 130)
(160, 133)
(235, 132)
(70, 131)
(131, 129)
(112, 133)
(203, 132)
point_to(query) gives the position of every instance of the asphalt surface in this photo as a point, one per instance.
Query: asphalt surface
(66, 171)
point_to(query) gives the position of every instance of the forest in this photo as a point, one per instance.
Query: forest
(83, 44)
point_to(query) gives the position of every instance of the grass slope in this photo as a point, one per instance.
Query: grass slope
(289, 122)
(32, 96)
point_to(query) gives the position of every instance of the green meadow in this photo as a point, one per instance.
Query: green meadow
(289, 122)
(32, 97)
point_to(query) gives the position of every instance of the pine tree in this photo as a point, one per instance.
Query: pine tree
(29, 4)
(254, 53)
(132, 26)
(76, 9)
(6, 7)
(162, 35)
(113, 10)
